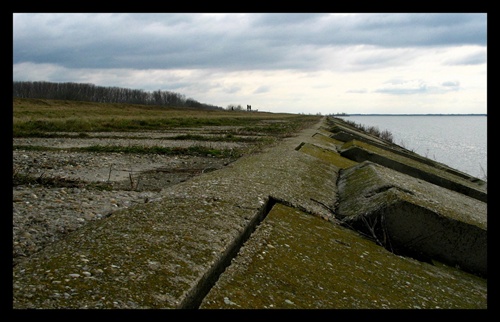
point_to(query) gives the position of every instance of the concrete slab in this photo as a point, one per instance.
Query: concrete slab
(345, 132)
(326, 155)
(298, 261)
(411, 216)
(352, 134)
(360, 151)
(167, 254)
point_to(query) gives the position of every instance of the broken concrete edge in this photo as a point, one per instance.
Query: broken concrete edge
(297, 261)
(415, 160)
(418, 220)
(367, 180)
(359, 151)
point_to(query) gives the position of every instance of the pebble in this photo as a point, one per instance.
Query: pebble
(45, 213)
(38, 222)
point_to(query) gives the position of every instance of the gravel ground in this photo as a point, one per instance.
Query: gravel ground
(68, 187)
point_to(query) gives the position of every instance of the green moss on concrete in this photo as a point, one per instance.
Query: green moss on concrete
(412, 216)
(142, 257)
(295, 260)
(369, 186)
(435, 170)
(327, 155)
(323, 137)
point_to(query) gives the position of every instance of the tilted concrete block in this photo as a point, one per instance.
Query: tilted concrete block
(414, 217)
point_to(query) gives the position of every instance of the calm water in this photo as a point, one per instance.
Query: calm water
(457, 141)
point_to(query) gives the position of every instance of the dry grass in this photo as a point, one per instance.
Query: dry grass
(34, 116)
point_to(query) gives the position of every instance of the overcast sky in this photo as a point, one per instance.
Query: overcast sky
(297, 63)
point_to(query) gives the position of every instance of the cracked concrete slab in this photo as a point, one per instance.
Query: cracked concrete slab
(410, 215)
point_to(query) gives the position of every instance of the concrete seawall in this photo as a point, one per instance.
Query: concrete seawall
(328, 218)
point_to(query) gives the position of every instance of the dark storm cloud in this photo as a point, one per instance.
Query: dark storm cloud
(232, 41)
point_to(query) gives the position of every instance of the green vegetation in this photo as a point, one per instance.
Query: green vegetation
(44, 118)
(41, 117)
(226, 138)
(137, 149)
(192, 150)
(19, 179)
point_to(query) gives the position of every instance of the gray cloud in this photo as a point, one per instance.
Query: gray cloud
(232, 89)
(423, 29)
(410, 87)
(471, 59)
(402, 90)
(262, 89)
(357, 91)
(451, 84)
(231, 41)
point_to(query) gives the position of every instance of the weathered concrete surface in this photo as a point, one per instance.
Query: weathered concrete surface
(408, 215)
(361, 151)
(298, 261)
(171, 253)
(164, 254)
(437, 213)
(326, 155)
(359, 146)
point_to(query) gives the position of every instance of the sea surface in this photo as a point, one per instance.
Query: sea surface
(459, 141)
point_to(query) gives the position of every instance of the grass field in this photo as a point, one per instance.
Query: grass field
(39, 117)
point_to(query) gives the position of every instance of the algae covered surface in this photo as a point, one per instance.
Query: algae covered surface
(298, 261)
(362, 190)
(327, 155)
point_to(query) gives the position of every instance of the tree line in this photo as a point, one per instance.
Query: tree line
(102, 94)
